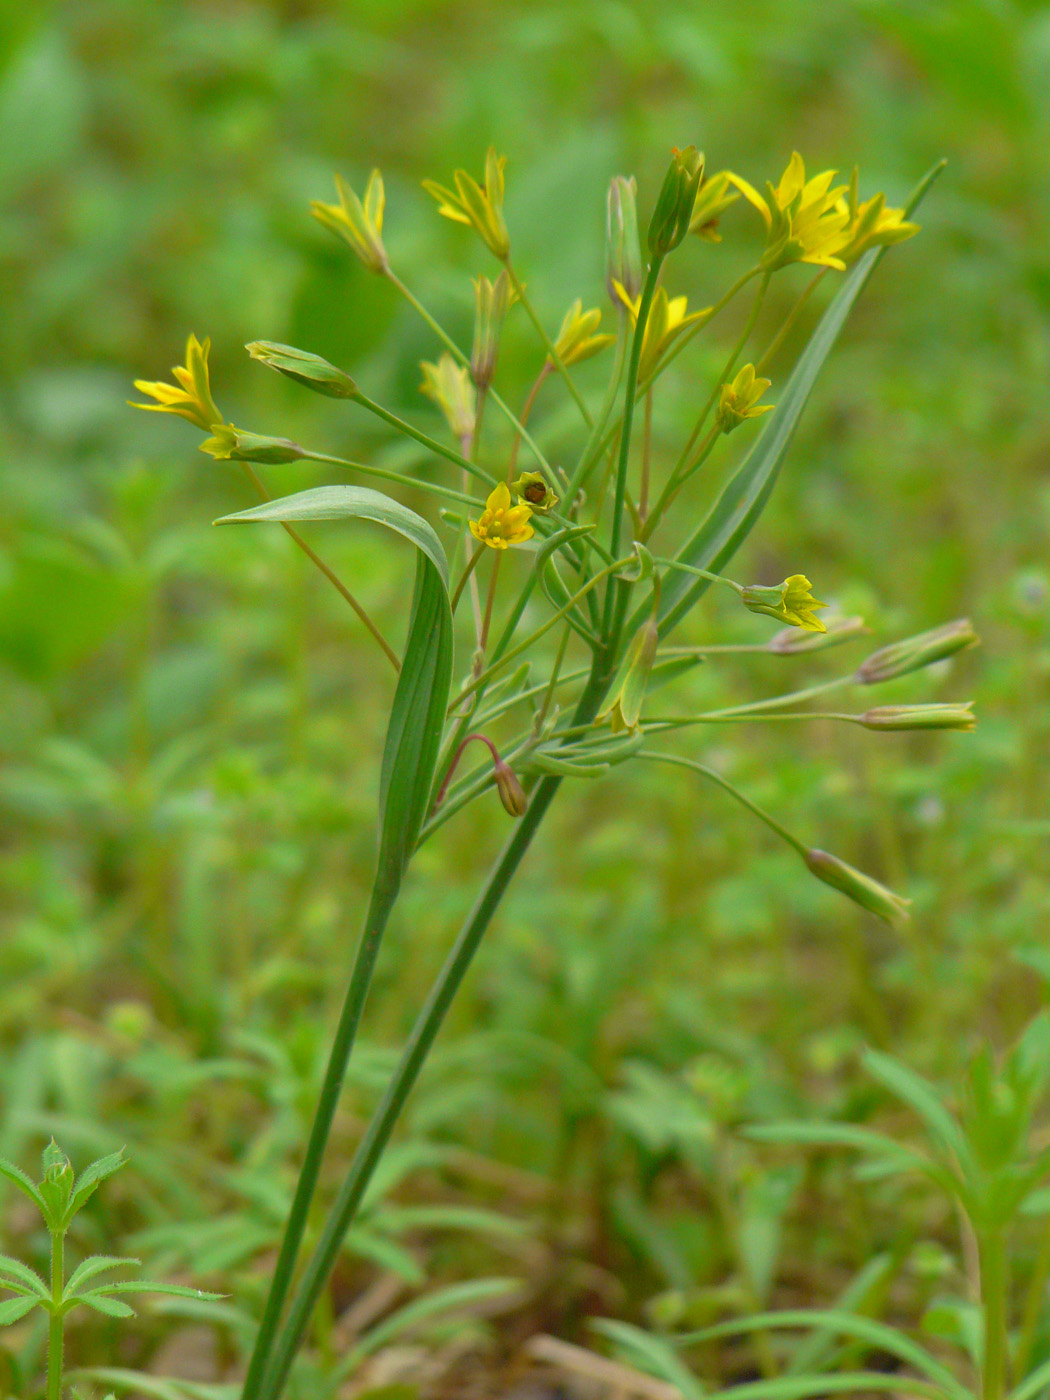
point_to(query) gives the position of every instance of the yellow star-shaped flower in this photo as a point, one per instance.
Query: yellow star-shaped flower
(502, 524)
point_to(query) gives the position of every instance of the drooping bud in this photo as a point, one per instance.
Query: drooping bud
(359, 224)
(861, 888)
(674, 204)
(896, 717)
(511, 792)
(623, 253)
(305, 368)
(229, 443)
(492, 300)
(916, 652)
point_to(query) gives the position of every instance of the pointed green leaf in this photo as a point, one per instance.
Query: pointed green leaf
(737, 509)
(922, 1098)
(651, 1353)
(92, 1177)
(174, 1290)
(97, 1264)
(101, 1302)
(21, 1273)
(15, 1308)
(17, 1177)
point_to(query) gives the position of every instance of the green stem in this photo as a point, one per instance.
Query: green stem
(648, 291)
(552, 351)
(468, 570)
(992, 1253)
(792, 316)
(414, 1056)
(594, 446)
(384, 894)
(680, 762)
(464, 359)
(727, 371)
(526, 410)
(55, 1326)
(400, 477)
(336, 582)
(674, 484)
(432, 444)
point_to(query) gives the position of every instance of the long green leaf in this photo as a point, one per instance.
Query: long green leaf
(22, 1274)
(735, 514)
(421, 699)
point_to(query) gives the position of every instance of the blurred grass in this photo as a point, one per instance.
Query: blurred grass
(192, 724)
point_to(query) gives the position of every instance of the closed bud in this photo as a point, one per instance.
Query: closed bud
(229, 443)
(511, 792)
(492, 300)
(917, 652)
(895, 717)
(861, 888)
(623, 253)
(313, 371)
(674, 205)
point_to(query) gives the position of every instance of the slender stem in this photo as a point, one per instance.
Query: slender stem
(552, 351)
(402, 478)
(647, 447)
(489, 600)
(648, 292)
(700, 573)
(992, 1253)
(659, 723)
(724, 377)
(674, 484)
(384, 894)
(414, 1056)
(332, 578)
(792, 316)
(680, 762)
(424, 438)
(775, 703)
(55, 1340)
(526, 409)
(553, 683)
(464, 359)
(468, 570)
(525, 643)
(594, 446)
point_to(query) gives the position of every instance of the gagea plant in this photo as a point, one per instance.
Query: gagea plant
(568, 584)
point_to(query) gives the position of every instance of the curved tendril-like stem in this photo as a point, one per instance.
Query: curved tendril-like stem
(680, 761)
(559, 363)
(329, 574)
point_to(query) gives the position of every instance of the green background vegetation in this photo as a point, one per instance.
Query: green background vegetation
(191, 724)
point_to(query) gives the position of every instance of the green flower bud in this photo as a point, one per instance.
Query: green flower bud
(674, 205)
(792, 642)
(895, 717)
(862, 889)
(313, 371)
(623, 253)
(917, 652)
(229, 443)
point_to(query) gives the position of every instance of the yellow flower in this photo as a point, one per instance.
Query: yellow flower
(576, 339)
(871, 224)
(739, 400)
(448, 385)
(667, 320)
(502, 524)
(192, 398)
(361, 225)
(790, 601)
(805, 219)
(711, 202)
(480, 208)
(532, 490)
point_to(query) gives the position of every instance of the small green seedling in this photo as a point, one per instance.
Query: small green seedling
(58, 1197)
